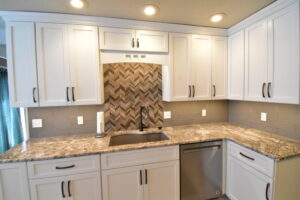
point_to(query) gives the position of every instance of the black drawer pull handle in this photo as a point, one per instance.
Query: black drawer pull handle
(141, 180)
(263, 90)
(67, 93)
(62, 189)
(246, 156)
(69, 188)
(66, 167)
(190, 89)
(146, 176)
(73, 93)
(193, 90)
(267, 191)
(33, 95)
(269, 87)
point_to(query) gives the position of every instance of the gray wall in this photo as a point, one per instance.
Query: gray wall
(58, 121)
(282, 119)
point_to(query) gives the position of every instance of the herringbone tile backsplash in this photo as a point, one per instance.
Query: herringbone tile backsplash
(127, 87)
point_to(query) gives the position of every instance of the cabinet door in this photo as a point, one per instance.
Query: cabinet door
(162, 181)
(154, 41)
(256, 55)
(21, 62)
(123, 183)
(179, 66)
(236, 66)
(85, 68)
(49, 189)
(84, 187)
(116, 39)
(13, 182)
(219, 68)
(200, 73)
(53, 64)
(284, 56)
(245, 183)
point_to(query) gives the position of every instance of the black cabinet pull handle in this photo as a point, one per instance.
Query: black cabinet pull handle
(215, 90)
(62, 189)
(69, 188)
(246, 156)
(33, 95)
(67, 93)
(269, 87)
(267, 191)
(138, 43)
(263, 90)
(141, 176)
(193, 90)
(190, 88)
(65, 167)
(73, 93)
(146, 176)
(132, 44)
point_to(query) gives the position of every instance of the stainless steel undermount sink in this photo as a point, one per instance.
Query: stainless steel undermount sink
(135, 138)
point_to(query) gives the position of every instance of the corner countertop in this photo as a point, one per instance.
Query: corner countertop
(268, 144)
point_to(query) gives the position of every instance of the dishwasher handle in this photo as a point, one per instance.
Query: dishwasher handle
(201, 148)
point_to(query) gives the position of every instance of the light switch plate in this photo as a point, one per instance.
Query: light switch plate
(203, 112)
(167, 114)
(37, 123)
(263, 117)
(80, 120)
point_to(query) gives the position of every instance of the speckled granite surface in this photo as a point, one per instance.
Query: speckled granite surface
(61, 147)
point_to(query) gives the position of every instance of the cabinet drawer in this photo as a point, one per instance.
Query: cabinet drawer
(139, 157)
(253, 159)
(62, 167)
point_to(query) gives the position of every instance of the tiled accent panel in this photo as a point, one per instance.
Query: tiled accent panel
(127, 87)
(185, 113)
(282, 119)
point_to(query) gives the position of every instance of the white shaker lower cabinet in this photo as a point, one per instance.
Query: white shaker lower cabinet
(245, 183)
(130, 176)
(123, 183)
(13, 182)
(70, 179)
(161, 181)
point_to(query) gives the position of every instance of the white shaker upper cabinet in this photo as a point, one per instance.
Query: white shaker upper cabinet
(283, 74)
(176, 77)
(256, 55)
(21, 60)
(53, 64)
(200, 67)
(154, 41)
(84, 66)
(116, 39)
(133, 40)
(236, 66)
(219, 68)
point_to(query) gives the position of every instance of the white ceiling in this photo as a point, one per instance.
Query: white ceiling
(192, 12)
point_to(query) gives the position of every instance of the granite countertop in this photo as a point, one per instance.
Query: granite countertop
(268, 144)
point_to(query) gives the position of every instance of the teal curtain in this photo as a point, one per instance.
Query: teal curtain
(10, 121)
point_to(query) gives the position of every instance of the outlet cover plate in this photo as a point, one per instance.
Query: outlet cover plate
(203, 112)
(80, 120)
(167, 114)
(37, 123)
(263, 116)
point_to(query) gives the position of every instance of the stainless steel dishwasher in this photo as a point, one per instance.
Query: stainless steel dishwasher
(201, 171)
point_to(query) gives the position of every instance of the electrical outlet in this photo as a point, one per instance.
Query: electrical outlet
(167, 115)
(203, 112)
(80, 120)
(37, 123)
(263, 117)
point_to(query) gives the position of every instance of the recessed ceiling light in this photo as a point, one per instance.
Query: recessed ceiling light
(150, 10)
(78, 3)
(217, 17)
